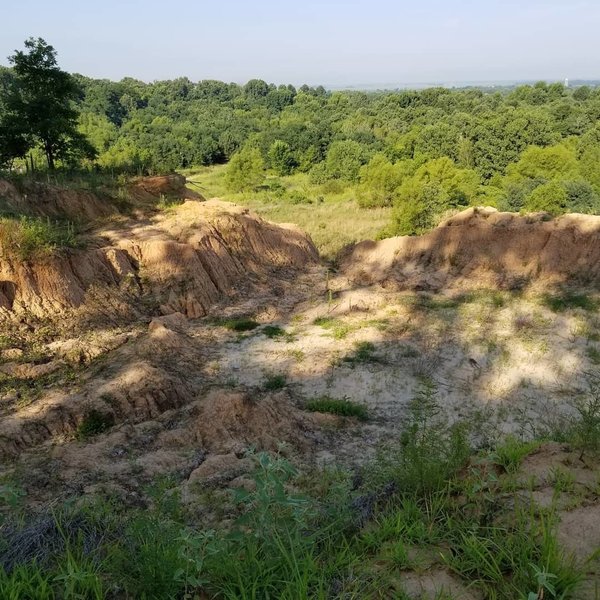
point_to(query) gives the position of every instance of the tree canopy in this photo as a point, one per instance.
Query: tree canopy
(38, 103)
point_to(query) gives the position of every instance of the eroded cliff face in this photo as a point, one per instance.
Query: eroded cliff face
(481, 247)
(182, 260)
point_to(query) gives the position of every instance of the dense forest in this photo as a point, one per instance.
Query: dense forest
(422, 152)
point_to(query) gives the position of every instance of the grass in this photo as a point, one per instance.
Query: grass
(336, 406)
(364, 352)
(27, 238)
(593, 354)
(329, 214)
(568, 301)
(511, 452)
(93, 423)
(273, 383)
(338, 329)
(239, 324)
(321, 535)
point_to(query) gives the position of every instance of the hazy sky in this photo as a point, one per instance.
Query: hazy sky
(331, 42)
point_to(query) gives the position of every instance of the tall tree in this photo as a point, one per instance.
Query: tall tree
(40, 103)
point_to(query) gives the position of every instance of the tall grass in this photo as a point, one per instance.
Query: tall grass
(33, 237)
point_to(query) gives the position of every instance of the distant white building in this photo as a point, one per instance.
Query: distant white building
(567, 82)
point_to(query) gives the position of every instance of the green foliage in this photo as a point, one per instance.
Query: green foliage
(511, 452)
(336, 406)
(550, 197)
(239, 324)
(39, 107)
(436, 187)
(344, 160)
(33, 237)
(273, 383)
(281, 158)
(430, 454)
(379, 180)
(246, 170)
(568, 301)
(93, 423)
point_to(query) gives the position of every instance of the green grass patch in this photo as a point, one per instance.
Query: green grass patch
(569, 300)
(273, 383)
(93, 423)
(239, 324)
(511, 452)
(336, 327)
(364, 352)
(336, 406)
(273, 331)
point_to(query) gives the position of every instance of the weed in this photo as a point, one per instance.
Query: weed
(336, 406)
(273, 383)
(34, 237)
(93, 423)
(511, 452)
(239, 324)
(364, 352)
(561, 480)
(339, 330)
(585, 433)
(273, 331)
(569, 300)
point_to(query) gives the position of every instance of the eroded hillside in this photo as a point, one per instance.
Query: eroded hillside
(177, 343)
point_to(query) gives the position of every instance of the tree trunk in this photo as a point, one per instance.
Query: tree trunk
(49, 155)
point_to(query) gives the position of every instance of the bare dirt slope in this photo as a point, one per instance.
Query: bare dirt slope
(180, 260)
(482, 247)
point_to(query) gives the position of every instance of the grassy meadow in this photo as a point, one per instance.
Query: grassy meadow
(328, 212)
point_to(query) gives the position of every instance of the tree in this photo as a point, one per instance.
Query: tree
(281, 158)
(436, 187)
(550, 197)
(344, 160)
(379, 179)
(245, 170)
(40, 104)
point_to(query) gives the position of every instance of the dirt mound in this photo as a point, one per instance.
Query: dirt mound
(182, 260)
(170, 186)
(483, 247)
(45, 200)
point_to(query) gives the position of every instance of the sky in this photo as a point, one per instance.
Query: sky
(329, 42)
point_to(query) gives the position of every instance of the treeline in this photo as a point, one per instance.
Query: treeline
(424, 152)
